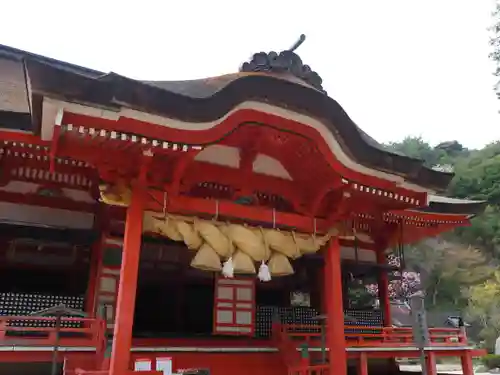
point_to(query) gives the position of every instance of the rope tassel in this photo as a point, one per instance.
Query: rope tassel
(264, 275)
(228, 269)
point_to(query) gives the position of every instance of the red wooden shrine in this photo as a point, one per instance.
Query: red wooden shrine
(203, 224)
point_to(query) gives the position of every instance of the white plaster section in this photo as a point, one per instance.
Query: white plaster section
(220, 155)
(363, 255)
(51, 107)
(363, 237)
(228, 156)
(439, 199)
(49, 115)
(264, 164)
(43, 216)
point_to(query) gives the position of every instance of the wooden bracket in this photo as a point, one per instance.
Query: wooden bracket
(322, 193)
(180, 168)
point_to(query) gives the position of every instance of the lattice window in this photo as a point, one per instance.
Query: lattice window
(234, 307)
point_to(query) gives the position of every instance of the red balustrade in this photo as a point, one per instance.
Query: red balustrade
(41, 331)
(309, 370)
(362, 336)
(286, 345)
(106, 372)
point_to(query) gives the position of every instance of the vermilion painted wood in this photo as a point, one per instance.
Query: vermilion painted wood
(12, 161)
(381, 337)
(383, 288)
(115, 159)
(334, 309)
(22, 138)
(231, 305)
(225, 363)
(125, 306)
(96, 253)
(467, 365)
(363, 364)
(430, 360)
(222, 130)
(93, 336)
(212, 208)
(240, 182)
(208, 209)
(90, 335)
(255, 217)
(310, 370)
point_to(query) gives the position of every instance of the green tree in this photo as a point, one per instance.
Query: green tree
(495, 42)
(477, 176)
(417, 148)
(484, 308)
(447, 269)
(457, 261)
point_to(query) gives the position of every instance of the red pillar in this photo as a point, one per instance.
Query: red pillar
(334, 310)
(122, 340)
(430, 360)
(90, 298)
(363, 364)
(383, 289)
(467, 365)
(95, 258)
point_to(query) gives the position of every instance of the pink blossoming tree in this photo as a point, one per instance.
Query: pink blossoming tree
(401, 284)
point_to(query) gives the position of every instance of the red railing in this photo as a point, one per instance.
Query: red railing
(309, 370)
(360, 336)
(41, 331)
(106, 372)
(286, 345)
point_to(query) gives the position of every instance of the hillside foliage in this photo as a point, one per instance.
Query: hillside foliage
(458, 270)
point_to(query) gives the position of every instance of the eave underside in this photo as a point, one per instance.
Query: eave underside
(373, 230)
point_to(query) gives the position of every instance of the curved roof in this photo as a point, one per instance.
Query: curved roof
(210, 99)
(439, 204)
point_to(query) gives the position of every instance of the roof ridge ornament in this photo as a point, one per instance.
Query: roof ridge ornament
(286, 61)
(298, 43)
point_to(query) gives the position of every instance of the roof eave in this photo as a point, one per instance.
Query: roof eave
(107, 90)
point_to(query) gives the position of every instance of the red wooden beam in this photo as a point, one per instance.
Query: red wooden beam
(186, 172)
(12, 136)
(52, 184)
(322, 192)
(183, 162)
(210, 208)
(431, 216)
(224, 129)
(68, 168)
(248, 152)
(206, 172)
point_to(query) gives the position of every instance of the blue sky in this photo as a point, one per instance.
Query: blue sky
(398, 67)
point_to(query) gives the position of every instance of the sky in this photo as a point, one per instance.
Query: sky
(398, 67)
